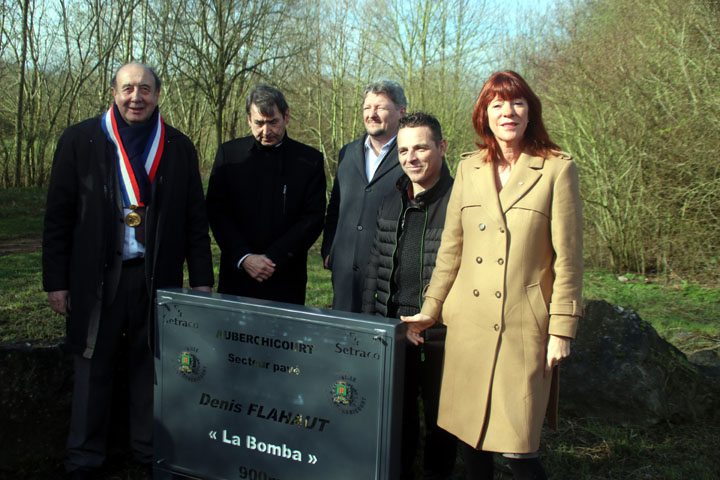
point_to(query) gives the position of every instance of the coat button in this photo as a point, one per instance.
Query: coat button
(368, 189)
(478, 259)
(359, 227)
(500, 261)
(476, 293)
(481, 227)
(496, 327)
(498, 294)
(502, 230)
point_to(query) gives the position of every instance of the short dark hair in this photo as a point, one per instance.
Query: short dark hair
(265, 98)
(390, 89)
(422, 119)
(158, 83)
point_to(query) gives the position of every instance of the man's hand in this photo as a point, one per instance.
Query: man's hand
(258, 267)
(557, 349)
(203, 288)
(60, 301)
(416, 324)
(326, 262)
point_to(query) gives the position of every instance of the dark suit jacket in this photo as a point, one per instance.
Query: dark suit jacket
(351, 220)
(266, 201)
(83, 230)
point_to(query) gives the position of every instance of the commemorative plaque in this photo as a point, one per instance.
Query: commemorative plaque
(258, 390)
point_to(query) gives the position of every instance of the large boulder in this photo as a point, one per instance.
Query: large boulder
(621, 370)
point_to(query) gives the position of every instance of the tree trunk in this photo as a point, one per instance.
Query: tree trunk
(21, 96)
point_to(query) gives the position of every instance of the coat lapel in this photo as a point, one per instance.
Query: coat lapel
(357, 157)
(525, 174)
(108, 166)
(483, 178)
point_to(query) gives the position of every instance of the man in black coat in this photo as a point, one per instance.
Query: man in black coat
(125, 210)
(367, 171)
(266, 204)
(409, 228)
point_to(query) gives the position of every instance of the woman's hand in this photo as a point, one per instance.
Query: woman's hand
(557, 349)
(416, 324)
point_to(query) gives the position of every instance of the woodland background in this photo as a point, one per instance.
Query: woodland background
(629, 88)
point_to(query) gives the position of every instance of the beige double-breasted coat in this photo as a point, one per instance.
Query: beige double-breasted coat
(508, 274)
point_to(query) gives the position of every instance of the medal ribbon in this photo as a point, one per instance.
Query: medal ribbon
(153, 152)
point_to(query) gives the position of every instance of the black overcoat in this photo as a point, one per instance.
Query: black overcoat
(83, 229)
(268, 201)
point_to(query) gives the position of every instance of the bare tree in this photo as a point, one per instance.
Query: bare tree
(440, 51)
(630, 89)
(220, 43)
(25, 5)
(327, 86)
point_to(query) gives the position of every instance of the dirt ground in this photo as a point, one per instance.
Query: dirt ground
(14, 246)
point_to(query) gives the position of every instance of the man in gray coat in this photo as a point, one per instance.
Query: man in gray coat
(367, 171)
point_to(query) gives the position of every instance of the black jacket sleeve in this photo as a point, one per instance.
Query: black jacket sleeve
(60, 218)
(197, 239)
(228, 234)
(333, 211)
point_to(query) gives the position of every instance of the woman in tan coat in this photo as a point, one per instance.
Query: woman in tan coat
(507, 283)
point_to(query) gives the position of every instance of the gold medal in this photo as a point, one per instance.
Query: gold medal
(133, 219)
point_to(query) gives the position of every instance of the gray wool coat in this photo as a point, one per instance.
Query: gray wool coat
(351, 220)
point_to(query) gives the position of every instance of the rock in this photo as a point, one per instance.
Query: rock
(622, 370)
(706, 358)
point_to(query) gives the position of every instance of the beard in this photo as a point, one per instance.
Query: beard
(376, 132)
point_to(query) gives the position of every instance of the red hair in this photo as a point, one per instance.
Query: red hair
(508, 85)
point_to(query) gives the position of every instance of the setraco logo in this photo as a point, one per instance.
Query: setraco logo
(354, 350)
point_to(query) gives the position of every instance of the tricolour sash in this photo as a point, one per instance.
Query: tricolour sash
(152, 153)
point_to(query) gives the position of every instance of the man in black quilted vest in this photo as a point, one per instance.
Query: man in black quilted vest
(409, 226)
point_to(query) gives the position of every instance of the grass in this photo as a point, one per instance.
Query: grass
(585, 449)
(590, 449)
(24, 310)
(21, 211)
(683, 313)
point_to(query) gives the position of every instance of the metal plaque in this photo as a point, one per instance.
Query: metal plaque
(248, 389)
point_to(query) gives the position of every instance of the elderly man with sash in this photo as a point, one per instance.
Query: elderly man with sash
(125, 210)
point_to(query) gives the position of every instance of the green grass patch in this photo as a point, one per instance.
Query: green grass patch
(22, 202)
(21, 212)
(588, 449)
(683, 313)
(319, 288)
(19, 227)
(24, 310)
